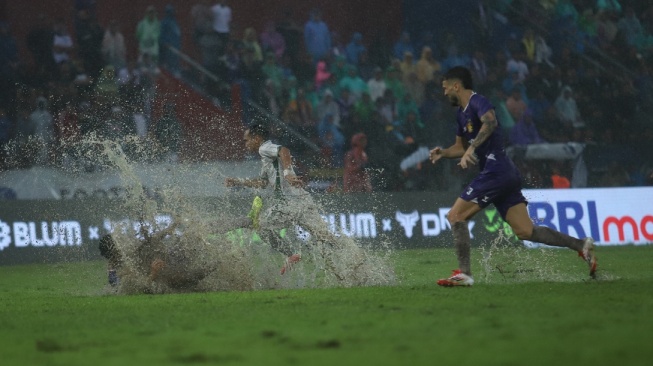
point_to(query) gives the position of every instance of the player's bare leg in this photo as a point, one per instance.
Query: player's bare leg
(458, 215)
(521, 224)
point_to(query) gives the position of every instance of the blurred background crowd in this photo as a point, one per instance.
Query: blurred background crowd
(359, 111)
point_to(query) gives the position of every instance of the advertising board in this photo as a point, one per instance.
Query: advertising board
(60, 230)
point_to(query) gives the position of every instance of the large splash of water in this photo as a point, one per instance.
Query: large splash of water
(502, 261)
(200, 255)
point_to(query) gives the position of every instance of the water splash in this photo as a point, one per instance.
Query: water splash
(502, 261)
(200, 255)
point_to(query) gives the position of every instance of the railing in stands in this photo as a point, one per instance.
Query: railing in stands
(250, 103)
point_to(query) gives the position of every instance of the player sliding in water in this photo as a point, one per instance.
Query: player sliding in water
(479, 141)
(287, 204)
(157, 258)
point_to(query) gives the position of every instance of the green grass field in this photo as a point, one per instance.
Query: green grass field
(539, 310)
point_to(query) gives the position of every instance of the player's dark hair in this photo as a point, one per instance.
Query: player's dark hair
(259, 130)
(107, 247)
(460, 73)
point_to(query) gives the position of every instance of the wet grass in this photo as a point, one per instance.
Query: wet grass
(534, 307)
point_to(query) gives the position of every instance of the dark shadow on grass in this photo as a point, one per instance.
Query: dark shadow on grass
(49, 346)
(206, 358)
(328, 344)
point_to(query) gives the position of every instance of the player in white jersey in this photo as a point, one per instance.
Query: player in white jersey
(287, 204)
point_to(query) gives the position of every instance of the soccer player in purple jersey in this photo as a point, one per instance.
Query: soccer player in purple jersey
(479, 141)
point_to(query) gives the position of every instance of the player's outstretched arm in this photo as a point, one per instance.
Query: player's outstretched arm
(287, 171)
(454, 151)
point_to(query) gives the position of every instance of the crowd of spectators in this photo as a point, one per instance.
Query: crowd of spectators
(82, 84)
(556, 71)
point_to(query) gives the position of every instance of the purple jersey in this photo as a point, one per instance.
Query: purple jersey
(469, 123)
(499, 181)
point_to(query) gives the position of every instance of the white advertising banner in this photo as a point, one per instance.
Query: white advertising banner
(611, 216)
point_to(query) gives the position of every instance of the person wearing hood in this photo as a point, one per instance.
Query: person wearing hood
(355, 177)
(427, 66)
(317, 37)
(567, 109)
(147, 34)
(353, 82)
(170, 37)
(339, 67)
(393, 82)
(354, 49)
(321, 74)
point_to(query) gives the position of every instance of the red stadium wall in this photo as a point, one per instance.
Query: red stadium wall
(210, 132)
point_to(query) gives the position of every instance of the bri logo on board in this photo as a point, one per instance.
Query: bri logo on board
(583, 219)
